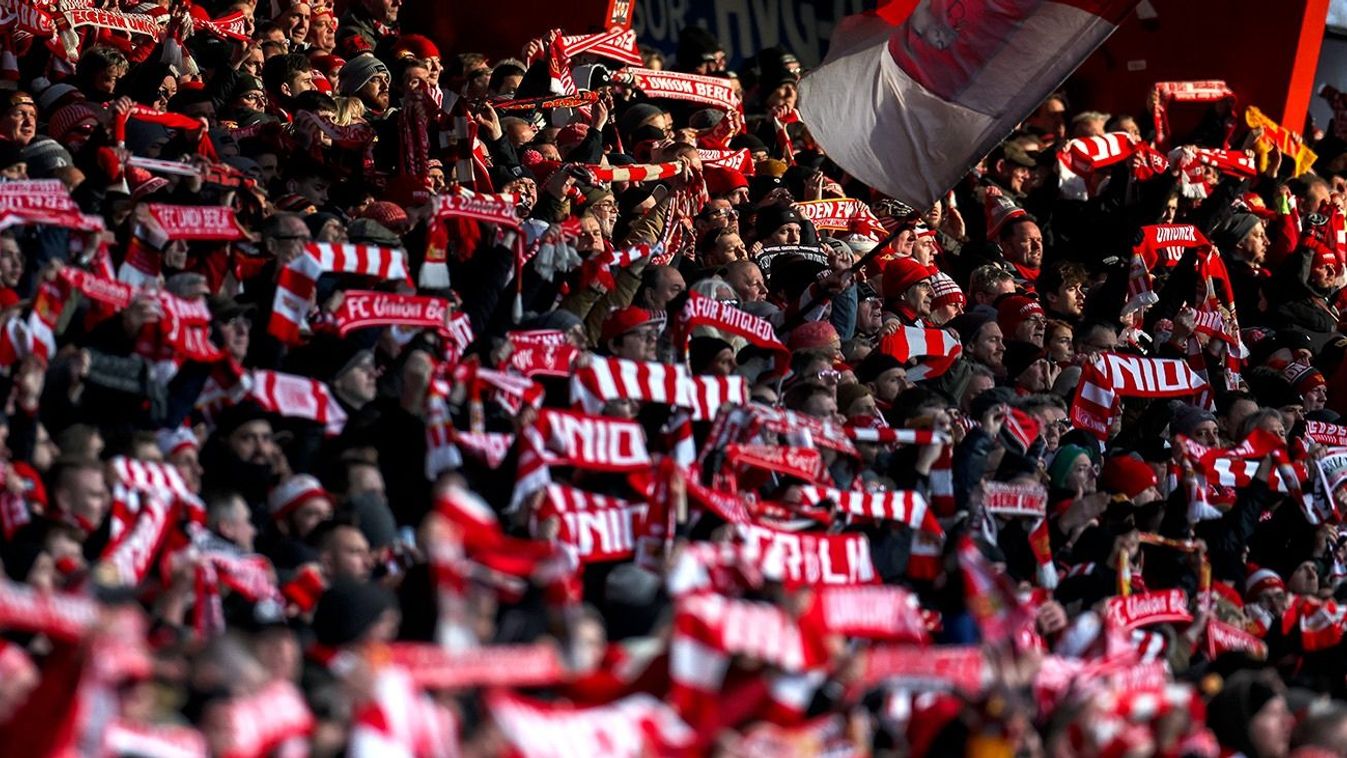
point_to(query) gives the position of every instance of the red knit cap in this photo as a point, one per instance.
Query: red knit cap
(722, 181)
(1303, 377)
(415, 46)
(389, 214)
(1013, 310)
(571, 135)
(1127, 475)
(899, 276)
(623, 320)
(813, 335)
(1260, 580)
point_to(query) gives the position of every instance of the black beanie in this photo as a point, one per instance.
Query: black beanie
(703, 350)
(347, 610)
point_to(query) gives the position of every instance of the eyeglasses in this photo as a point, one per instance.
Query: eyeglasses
(724, 213)
(829, 376)
(648, 334)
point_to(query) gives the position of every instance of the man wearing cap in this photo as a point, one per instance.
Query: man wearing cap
(18, 123)
(907, 291)
(631, 333)
(947, 300)
(367, 78)
(1028, 369)
(1021, 319)
(296, 507)
(1243, 242)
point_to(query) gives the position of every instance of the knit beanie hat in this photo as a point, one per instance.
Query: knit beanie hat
(1019, 357)
(61, 126)
(812, 335)
(1303, 377)
(1013, 310)
(43, 156)
(415, 46)
(1064, 460)
(946, 291)
(774, 217)
(968, 324)
(702, 350)
(358, 71)
(1126, 475)
(347, 610)
(1232, 230)
(900, 275)
(1187, 417)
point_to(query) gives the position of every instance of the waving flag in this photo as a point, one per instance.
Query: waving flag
(908, 108)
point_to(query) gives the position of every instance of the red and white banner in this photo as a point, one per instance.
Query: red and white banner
(633, 727)
(1237, 163)
(903, 506)
(808, 558)
(945, 667)
(800, 463)
(436, 668)
(108, 291)
(909, 107)
(363, 308)
(59, 615)
(601, 528)
(1005, 499)
(259, 723)
(707, 90)
(1224, 638)
(758, 630)
(601, 380)
(43, 201)
(1134, 611)
(197, 222)
(871, 612)
(837, 214)
(1324, 433)
(545, 352)
(1109, 376)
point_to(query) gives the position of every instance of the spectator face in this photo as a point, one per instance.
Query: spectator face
(1097, 340)
(308, 515)
(1069, 299)
(822, 405)
(254, 101)
(1304, 580)
(1051, 423)
(1024, 245)
(11, 261)
(44, 450)
(236, 339)
(606, 212)
(722, 365)
(1322, 277)
(669, 286)
(890, 384)
(718, 214)
(252, 442)
(1171, 211)
(1270, 728)
(637, 345)
(252, 62)
(295, 22)
(374, 93)
(418, 77)
(870, 315)
(1315, 399)
(289, 242)
(364, 480)
(1082, 475)
(359, 385)
(19, 124)
(526, 188)
(236, 526)
(332, 231)
(923, 250)
(727, 249)
(918, 297)
(84, 495)
(1207, 433)
(383, 11)
(747, 281)
(301, 82)
(1058, 345)
(1051, 117)
(189, 466)
(590, 238)
(347, 555)
(323, 33)
(1035, 378)
(786, 234)
(1031, 330)
(994, 290)
(1239, 410)
(105, 80)
(1253, 248)
(989, 346)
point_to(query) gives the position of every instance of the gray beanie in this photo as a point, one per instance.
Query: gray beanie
(43, 156)
(358, 71)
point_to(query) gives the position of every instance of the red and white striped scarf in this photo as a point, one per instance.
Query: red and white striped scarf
(123, 737)
(705, 311)
(1208, 91)
(601, 528)
(636, 725)
(903, 506)
(644, 172)
(945, 667)
(618, 44)
(1109, 376)
(398, 719)
(938, 347)
(543, 352)
(34, 335)
(895, 436)
(737, 160)
(602, 380)
(1087, 155)
(297, 283)
(1237, 163)
(871, 612)
(563, 438)
(673, 85)
(259, 723)
(808, 558)
(58, 615)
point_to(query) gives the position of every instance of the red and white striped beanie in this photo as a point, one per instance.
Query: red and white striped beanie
(173, 441)
(946, 291)
(292, 493)
(1261, 580)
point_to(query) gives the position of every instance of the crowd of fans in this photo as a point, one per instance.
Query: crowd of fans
(365, 399)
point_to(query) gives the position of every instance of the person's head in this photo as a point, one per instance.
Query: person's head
(1231, 410)
(779, 224)
(907, 285)
(659, 286)
(1021, 319)
(1050, 117)
(1249, 715)
(18, 123)
(631, 333)
(284, 236)
(1012, 166)
(367, 78)
(299, 504)
(99, 70)
(289, 75)
(383, 11)
(711, 356)
(1242, 236)
(1325, 728)
(988, 345)
(723, 246)
(1050, 413)
(505, 78)
(814, 400)
(1264, 588)
(11, 260)
(1088, 124)
(746, 278)
(1062, 287)
(1074, 470)
(590, 239)
(227, 515)
(343, 551)
(987, 283)
(1021, 242)
(1304, 579)
(1096, 337)
(323, 31)
(80, 492)
(1058, 337)
(251, 441)
(357, 382)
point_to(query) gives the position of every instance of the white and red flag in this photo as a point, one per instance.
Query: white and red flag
(909, 105)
